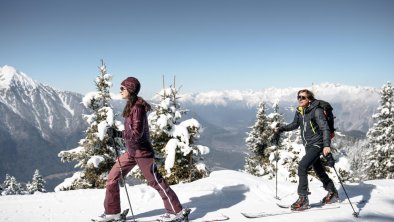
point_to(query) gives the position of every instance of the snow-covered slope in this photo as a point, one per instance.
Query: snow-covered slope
(224, 192)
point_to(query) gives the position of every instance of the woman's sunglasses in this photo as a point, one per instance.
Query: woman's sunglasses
(301, 98)
(122, 88)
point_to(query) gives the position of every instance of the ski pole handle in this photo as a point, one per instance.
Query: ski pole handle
(330, 160)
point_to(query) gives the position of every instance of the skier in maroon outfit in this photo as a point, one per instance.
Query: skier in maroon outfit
(139, 152)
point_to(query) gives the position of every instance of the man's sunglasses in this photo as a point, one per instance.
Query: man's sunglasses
(122, 88)
(301, 97)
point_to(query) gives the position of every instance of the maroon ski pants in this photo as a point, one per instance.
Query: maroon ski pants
(155, 180)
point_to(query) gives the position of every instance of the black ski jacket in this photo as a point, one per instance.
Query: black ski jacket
(313, 125)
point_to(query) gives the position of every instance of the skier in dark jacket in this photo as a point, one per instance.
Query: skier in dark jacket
(315, 133)
(139, 152)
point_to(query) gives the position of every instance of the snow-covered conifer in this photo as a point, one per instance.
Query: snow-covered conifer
(263, 150)
(175, 141)
(290, 155)
(257, 141)
(380, 158)
(37, 183)
(275, 151)
(11, 186)
(95, 154)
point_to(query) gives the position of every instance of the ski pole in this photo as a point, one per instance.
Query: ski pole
(276, 138)
(276, 176)
(331, 161)
(122, 176)
(276, 180)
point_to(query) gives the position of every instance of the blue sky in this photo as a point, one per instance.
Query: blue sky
(206, 44)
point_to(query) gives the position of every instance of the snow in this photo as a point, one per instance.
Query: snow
(223, 192)
(68, 181)
(75, 150)
(87, 99)
(96, 160)
(163, 121)
(190, 123)
(181, 132)
(204, 150)
(170, 148)
(9, 74)
(66, 105)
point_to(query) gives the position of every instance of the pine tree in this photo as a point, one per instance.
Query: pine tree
(276, 150)
(95, 156)
(174, 140)
(263, 151)
(356, 150)
(380, 158)
(257, 141)
(37, 183)
(290, 156)
(11, 186)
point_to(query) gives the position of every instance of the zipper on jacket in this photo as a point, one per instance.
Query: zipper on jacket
(303, 132)
(313, 128)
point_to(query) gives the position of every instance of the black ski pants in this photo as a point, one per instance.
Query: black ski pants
(312, 158)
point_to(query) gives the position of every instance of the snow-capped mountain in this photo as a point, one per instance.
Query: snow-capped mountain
(36, 122)
(47, 109)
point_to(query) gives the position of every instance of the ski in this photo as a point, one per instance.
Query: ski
(321, 204)
(190, 220)
(266, 214)
(310, 206)
(185, 219)
(217, 219)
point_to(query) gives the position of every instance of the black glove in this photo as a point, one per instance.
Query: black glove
(260, 148)
(113, 133)
(279, 130)
(275, 138)
(330, 160)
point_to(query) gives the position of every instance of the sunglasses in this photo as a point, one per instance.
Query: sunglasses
(301, 97)
(122, 88)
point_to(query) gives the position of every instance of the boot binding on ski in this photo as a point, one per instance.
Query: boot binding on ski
(181, 216)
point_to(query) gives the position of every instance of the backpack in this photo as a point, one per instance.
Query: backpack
(327, 109)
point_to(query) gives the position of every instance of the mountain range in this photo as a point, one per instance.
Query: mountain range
(38, 121)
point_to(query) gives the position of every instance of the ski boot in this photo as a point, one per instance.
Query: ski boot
(181, 216)
(107, 217)
(301, 204)
(331, 197)
(112, 217)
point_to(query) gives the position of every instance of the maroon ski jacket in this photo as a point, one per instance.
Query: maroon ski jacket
(136, 133)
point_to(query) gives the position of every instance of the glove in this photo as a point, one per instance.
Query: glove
(113, 133)
(275, 138)
(261, 148)
(278, 129)
(330, 160)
